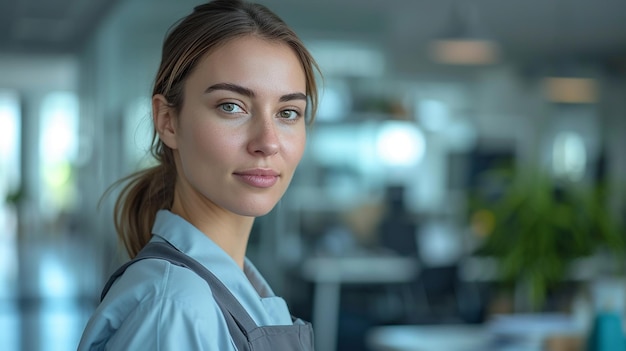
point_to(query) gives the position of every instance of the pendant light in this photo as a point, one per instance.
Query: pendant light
(569, 79)
(465, 41)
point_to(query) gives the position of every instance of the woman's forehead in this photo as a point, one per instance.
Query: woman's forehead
(252, 62)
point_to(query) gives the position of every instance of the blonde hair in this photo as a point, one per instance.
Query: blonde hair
(209, 25)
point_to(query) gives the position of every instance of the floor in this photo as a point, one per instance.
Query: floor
(48, 290)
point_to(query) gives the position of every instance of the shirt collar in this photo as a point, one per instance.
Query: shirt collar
(191, 241)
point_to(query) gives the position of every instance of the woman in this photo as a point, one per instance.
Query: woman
(229, 105)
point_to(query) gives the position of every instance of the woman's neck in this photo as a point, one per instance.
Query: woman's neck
(228, 230)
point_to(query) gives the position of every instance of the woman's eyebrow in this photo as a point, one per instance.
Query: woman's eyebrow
(230, 87)
(249, 93)
(293, 96)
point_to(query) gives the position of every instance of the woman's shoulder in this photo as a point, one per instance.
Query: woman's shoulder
(153, 288)
(156, 303)
(158, 279)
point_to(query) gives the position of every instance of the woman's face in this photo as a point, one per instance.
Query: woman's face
(241, 131)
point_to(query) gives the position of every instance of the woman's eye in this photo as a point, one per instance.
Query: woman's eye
(288, 114)
(230, 107)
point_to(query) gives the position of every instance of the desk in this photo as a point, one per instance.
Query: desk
(429, 338)
(329, 273)
(505, 333)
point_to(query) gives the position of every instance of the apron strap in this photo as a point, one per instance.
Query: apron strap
(238, 320)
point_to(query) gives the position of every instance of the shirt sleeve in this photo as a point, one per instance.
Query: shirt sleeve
(181, 316)
(171, 325)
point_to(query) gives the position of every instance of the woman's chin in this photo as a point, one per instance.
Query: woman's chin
(256, 210)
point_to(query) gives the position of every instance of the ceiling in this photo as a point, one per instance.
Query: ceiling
(527, 30)
(48, 26)
(535, 33)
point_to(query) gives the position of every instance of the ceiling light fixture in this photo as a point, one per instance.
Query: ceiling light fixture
(569, 79)
(570, 90)
(466, 41)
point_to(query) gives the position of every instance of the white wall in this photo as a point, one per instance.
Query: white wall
(28, 73)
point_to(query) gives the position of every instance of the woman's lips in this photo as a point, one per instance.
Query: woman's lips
(259, 178)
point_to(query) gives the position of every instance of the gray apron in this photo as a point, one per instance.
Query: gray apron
(246, 335)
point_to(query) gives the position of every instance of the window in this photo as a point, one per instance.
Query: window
(569, 156)
(58, 151)
(10, 165)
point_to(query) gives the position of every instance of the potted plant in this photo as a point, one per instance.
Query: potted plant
(539, 226)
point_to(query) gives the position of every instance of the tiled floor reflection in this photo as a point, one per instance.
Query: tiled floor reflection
(47, 289)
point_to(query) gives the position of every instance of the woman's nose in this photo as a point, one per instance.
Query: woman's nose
(264, 139)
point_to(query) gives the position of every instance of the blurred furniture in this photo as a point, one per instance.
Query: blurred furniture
(328, 274)
(438, 286)
(428, 338)
(520, 332)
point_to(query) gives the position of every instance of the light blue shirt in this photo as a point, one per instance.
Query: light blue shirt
(155, 305)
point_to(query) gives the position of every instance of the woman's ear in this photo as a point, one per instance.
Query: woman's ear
(164, 120)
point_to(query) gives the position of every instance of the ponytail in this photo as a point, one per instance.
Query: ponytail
(145, 193)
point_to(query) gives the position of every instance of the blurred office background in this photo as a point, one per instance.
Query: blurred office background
(452, 140)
